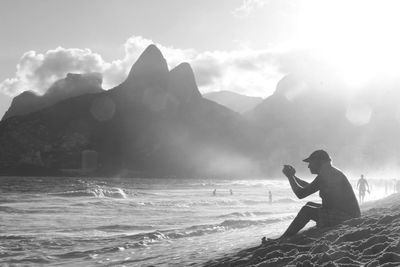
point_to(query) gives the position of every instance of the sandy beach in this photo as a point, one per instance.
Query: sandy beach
(372, 240)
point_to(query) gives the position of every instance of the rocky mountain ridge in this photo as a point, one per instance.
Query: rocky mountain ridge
(72, 85)
(153, 124)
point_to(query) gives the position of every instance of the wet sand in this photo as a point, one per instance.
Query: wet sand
(372, 240)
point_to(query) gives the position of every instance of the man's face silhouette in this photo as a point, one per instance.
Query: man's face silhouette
(314, 166)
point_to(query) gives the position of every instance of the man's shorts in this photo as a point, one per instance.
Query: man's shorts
(328, 217)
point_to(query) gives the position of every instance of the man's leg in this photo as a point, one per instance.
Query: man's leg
(307, 213)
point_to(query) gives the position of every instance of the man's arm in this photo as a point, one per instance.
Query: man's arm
(300, 182)
(300, 187)
(303, 191)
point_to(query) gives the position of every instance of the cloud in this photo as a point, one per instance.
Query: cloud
(36, 71)
(245, 71)
(247, 7)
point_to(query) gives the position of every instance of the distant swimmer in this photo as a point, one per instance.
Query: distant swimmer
(338, 200)
(215, 192)
(270, 196)
(231, 191)
(362, 185)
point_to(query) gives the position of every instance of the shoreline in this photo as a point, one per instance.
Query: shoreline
(372, 240)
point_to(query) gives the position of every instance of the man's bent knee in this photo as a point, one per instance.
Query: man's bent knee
(311, 213)
(306, 209)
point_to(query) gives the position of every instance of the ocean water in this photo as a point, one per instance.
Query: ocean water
(137, 222)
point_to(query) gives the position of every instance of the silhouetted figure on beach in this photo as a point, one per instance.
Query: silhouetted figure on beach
(231, 191)
(215, 192)
(338, 200)
(362, 185)
(270, 197)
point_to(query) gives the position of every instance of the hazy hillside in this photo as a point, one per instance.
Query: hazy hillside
(236, 102)
(304, 115)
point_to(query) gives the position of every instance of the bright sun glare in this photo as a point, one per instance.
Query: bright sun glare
(357, 38)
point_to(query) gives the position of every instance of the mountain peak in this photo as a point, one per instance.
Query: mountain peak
(182, 84)
(150, 70)
(184, 67)
(152, 49)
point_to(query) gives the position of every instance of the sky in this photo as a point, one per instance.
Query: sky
(244, 46)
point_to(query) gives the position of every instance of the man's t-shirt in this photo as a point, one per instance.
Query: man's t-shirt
(335, 191)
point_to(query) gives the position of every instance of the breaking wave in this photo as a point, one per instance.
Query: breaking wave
(199, 230)
(245, 214)
(109, 192)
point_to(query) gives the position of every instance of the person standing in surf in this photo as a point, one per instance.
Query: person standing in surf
(362, 185)
(270, 197)
(339, 202)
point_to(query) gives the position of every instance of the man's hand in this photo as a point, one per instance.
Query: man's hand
(288, 170)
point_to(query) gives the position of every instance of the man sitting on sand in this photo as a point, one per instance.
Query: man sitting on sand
(338, 200)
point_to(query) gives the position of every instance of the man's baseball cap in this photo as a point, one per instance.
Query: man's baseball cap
(318, 155)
